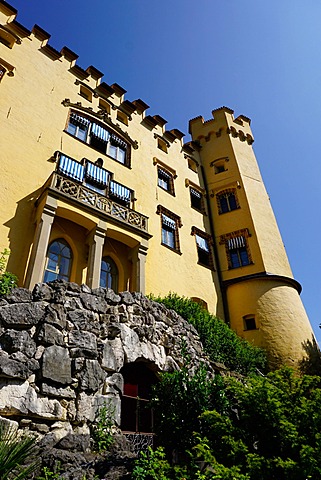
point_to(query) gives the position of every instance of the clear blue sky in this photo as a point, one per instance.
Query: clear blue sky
(187, 57)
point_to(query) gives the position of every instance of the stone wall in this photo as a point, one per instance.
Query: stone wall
(62, 349)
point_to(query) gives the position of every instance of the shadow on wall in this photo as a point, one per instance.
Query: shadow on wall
(311, 364)
(21, 233)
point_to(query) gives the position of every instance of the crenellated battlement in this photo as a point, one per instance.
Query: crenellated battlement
(12, 32)
(223, 122)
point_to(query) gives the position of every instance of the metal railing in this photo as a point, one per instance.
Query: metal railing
(140, 441)
(85, 196)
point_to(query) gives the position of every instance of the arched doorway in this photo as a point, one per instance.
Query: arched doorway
(58, 261)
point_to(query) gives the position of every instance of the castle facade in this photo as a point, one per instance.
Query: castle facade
(96, 190)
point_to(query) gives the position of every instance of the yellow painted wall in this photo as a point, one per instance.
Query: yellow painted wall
(33, 117)
(33, 121)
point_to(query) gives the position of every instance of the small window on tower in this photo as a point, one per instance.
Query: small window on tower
(103, 105)
(249, 322)
(237, 248)
(220, 165)
(122, 117)
(227, 201)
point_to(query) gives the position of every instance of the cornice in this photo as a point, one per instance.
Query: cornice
(51, 52)
(102, 116)
(265, 276)
(7, 9)
(189, 183)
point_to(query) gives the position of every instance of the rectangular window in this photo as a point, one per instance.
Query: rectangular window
(203, 242)
(249, 322)
(238, 254)
(78, 126)
(170, 224)
(165, 180)
(168, 231)
(196, 199)
(99, 138)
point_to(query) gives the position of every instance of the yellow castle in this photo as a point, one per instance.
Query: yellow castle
(95, 190)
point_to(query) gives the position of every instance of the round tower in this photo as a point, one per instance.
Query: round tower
(261, 294)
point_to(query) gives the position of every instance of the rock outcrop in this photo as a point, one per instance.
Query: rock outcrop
(63, 348)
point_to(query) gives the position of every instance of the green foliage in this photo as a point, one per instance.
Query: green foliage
(271, 431)
(219, 341)
(179, 399)
(15, 449)
(102, 431)
(49, 474)
(152, 465)
(260, 428)
(8, 280)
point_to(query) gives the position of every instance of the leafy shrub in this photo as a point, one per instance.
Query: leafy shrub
(8, 280)
(103, 428)
(219, 341)
(179, 399)
(152, 465)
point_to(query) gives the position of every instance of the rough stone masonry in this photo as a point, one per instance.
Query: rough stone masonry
(63, 347)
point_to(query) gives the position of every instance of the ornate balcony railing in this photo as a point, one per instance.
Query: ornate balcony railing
(94, 200)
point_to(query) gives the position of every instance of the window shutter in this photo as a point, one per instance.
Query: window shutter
(120, 191)
(99, 132)
(169, 222)
(97, 174)
(78, 120)
(71, 168)
(236, 242)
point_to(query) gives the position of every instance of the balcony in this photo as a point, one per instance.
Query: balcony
(104, 204)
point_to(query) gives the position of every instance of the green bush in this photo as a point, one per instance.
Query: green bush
(219, 341)
(8, 280)
(152, 465)
(179, 399)
(102, 431)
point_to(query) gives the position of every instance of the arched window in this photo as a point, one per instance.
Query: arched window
(227, 201)
(59, 259)
(109, 274)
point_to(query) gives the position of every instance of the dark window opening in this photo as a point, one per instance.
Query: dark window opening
(238, 254)
(136, 413)
(227, 201)
(204, 253)
(196, 199)
(249, 323)
(239, 257)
